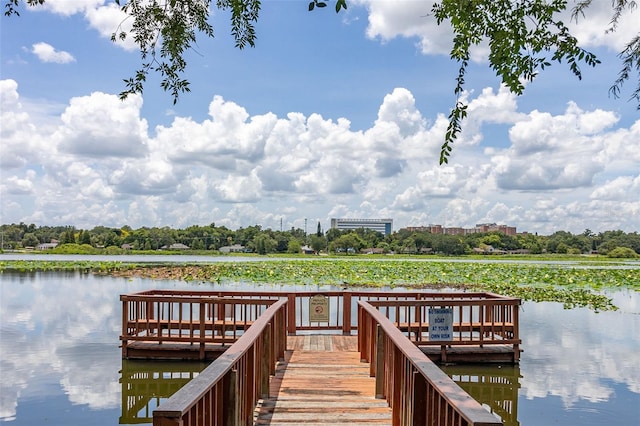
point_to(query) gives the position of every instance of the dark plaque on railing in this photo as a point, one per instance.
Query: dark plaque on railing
(319, 308)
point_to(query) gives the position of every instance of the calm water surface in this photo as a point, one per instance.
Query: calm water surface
(60, 363)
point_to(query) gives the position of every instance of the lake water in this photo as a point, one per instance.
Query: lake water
(60, 363)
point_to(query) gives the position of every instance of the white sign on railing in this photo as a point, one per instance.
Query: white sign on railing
(440, 324)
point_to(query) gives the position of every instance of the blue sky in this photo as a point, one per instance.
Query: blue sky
(328, 116)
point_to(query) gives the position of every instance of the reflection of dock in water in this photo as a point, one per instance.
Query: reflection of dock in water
(145, 384)
(493, 386)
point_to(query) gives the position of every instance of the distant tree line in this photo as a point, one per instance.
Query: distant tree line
(255, 239)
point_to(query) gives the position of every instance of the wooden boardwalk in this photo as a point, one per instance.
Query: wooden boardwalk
(322, 382)
(275, 372)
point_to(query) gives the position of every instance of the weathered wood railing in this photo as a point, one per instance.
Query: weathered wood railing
(342, 305)
(477, 319)
(186, 318)
(418, 392)
(227, 391)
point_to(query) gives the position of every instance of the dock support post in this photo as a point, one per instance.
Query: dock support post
(443, 354)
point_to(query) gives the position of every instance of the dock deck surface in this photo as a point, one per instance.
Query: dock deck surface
(322, 382)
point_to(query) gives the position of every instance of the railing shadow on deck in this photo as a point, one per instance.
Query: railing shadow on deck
(417, 390)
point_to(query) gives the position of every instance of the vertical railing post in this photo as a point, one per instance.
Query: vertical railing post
(266, 359)
(346, 313)
(365, 335)
(395, 371)
(202, 328)
(158, 317)
(281, 338)
(125, 322)
(149, 305)
(291, 314)
(419, 400)
(516, 328)
(379, 362)
(360, 332)
(230, 405)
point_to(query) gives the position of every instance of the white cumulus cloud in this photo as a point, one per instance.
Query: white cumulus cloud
(47, 53)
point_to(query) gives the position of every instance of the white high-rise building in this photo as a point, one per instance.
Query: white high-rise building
(384, 226)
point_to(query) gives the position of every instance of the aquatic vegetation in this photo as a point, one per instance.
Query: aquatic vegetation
(87, 266)
(573, 284)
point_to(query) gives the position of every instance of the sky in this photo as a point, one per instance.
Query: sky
(328, 116)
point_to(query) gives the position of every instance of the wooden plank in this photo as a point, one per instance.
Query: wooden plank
(322, 381)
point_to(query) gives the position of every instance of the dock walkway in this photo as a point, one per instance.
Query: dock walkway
(281, 361)
(322, 380)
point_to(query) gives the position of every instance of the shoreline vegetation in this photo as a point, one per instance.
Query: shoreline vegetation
(573, 281)
(212, 239)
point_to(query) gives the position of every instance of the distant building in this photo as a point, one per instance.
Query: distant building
(455, 231)
(492, 227)
(236, 248)
(47, 246)
(384, 226)
(176, 246)
(479, 228)
(372, 250)
(307, 250)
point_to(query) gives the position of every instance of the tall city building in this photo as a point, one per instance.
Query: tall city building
(384, 226)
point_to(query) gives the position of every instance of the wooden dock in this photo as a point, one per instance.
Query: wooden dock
(322, 381)
(292, 359)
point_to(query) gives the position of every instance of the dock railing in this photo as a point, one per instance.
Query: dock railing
(228, 390)
(417, 390)
(495, 309)
(482, 320)
(186, 318)
(392, 326)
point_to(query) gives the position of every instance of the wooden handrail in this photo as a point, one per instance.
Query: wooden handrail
(475, 322)
(227, 391)
(200, 320)
(415, 387)
(342, 303)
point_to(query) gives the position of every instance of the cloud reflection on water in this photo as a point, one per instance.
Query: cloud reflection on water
(578, 354)
(62, 329)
